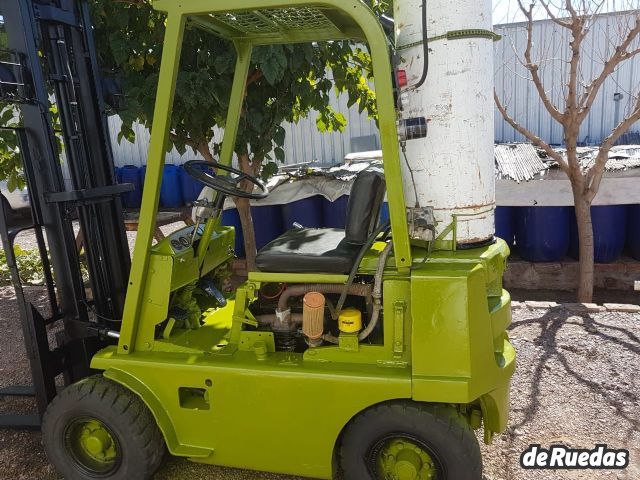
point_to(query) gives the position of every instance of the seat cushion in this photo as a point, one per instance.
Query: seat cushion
(308, 250)
(364, 205)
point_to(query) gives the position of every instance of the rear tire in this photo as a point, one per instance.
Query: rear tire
(97, 428)
(409, 440)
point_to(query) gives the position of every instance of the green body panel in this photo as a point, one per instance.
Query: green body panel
(452, 303)
(265, 407)
(219, 390)
(444, 341)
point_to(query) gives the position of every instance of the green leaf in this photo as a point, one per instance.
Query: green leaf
(296, 80)
(279, 56)
(279, 153)
(119, 48)
(11, 183)
(221, 64)
(268, 170)
(270, 72)
(279, 136)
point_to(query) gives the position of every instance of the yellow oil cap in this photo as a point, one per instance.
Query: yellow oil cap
(350, 320)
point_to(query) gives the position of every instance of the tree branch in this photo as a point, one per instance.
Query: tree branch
(619, 56)
(596, 171)
(537, 141)
(533, 68)
(254, 77)
(553, 17)
(578, 33)
(571, 10)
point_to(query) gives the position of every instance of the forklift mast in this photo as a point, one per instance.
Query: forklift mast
(51, 60)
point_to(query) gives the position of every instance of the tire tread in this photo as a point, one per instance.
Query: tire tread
(110, 396)
(450, 419)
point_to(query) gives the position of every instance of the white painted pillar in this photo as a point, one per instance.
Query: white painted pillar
(453, 167)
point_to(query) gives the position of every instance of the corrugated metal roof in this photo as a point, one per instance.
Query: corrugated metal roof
(624, 157)
(518, 161)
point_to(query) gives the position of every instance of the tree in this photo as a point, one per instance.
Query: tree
(285, 83)
(577, 94)
(10, 159)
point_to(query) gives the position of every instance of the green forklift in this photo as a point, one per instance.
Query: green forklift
(352, 352)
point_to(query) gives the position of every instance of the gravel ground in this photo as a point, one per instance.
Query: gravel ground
(577, 383)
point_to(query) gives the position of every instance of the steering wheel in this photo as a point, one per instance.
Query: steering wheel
(224, 183)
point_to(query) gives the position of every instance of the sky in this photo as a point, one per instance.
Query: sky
(506, 11)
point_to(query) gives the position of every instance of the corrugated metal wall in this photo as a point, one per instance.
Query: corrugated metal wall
(305, 144)
(551, 51)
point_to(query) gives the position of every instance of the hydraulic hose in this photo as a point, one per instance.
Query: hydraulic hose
(356, 265)
(377, 293)
(425, 46)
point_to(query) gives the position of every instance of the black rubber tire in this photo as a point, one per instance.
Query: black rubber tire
(140, 441)
(439, 427)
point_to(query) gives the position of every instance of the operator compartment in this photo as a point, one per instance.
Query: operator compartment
(317, 287)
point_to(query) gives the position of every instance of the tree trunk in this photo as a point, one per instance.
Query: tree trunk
(204, 150)
(585, 236)
(244, 211)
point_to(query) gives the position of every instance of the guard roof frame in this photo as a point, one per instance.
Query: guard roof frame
(345, 20)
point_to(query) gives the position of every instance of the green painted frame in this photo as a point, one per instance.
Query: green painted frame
(357, 22)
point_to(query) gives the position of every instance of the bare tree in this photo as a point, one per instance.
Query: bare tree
(576, 99)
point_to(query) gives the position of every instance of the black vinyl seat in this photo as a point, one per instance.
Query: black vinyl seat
(329, 250)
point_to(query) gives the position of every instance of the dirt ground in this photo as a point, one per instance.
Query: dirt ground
(577, 383)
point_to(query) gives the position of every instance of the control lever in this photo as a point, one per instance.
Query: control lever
(205, 210)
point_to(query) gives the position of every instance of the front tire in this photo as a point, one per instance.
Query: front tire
(96, 428)
(410, 441)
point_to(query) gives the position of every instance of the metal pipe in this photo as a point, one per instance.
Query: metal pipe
(271, 318)
(358, 289)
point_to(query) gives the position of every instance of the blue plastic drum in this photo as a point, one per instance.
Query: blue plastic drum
(191, 187)
(542, 233)
(307, 212)
(609, 233)
(633, 230)
(506, 224)
(267, 223)
(131, 174)
(334, 214)
(230, 218)
(384, 213)
(170, 190)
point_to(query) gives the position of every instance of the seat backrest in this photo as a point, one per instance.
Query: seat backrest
(364, 206)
